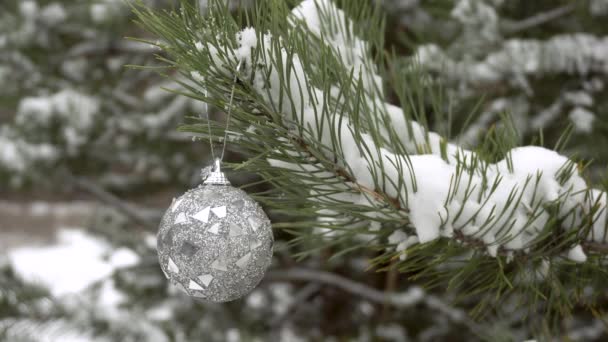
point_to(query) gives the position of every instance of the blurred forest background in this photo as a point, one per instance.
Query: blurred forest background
(90, 157)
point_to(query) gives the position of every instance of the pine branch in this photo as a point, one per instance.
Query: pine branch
(132, 212)
(347, 163)
(410, 298)
(538, 19)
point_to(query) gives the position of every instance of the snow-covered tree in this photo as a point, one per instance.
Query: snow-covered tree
(75, 105)
(427, 165)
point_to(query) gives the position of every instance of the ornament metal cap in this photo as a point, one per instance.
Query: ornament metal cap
(216, 176)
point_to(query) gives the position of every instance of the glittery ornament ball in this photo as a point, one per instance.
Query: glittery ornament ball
(215, 243)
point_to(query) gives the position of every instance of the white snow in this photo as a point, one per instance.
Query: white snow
(75, 68)
(56, 330)
(116, 63)
(396, 237)
(109, 298)
(17, 155)
(99, 12)
(53, 14)
(247, 40)
(233, 335)
(159, 313)
(426, 204)
(71, 265)
(28, 8)
(75, 110)
(10, 157)
(577, 254)
(598, 7)
(478, 18)
(578, 98)
(256, 300)
(197, 76)
(582, 119)
(283, 297)
(34, 108)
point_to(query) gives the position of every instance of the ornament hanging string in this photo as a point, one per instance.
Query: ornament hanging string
(217, 161)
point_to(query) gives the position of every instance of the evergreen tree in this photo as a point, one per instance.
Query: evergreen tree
(451, 161)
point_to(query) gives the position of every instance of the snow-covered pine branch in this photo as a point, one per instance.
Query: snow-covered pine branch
(519, 59)
(448, 192)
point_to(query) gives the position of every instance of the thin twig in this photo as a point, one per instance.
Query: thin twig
(595, 247)
(96, 48)
(414, 295)
(129, 210)
(538, 19)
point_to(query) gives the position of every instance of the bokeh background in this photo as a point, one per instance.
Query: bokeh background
(90, 157)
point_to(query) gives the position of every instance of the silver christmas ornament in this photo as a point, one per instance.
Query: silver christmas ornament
(215, 242)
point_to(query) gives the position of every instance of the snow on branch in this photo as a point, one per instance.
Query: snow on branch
(448, 192)
(579, 53)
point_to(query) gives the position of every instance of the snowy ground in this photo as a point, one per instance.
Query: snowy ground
(45, 244)
(71, 264)
(36, 223)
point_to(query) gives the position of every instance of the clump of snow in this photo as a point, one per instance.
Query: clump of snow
(17, 155)
(578, 98)
(403, 242)
(426, 203)
(53, 14)
(28, 8)
(257, 300)
(159, 313)
(577, 254)
(109, 298)
(28, 329)
(479, 20)
(247, 40)
(104, 11)
(197, 76)
(74, 110)
(71, 265)
(10, 157)
(598, 7)
(99, 12)
(582, 119)
(396, 237)
(75, 68)
(283, 297)
(115, 63)
(233, 335)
